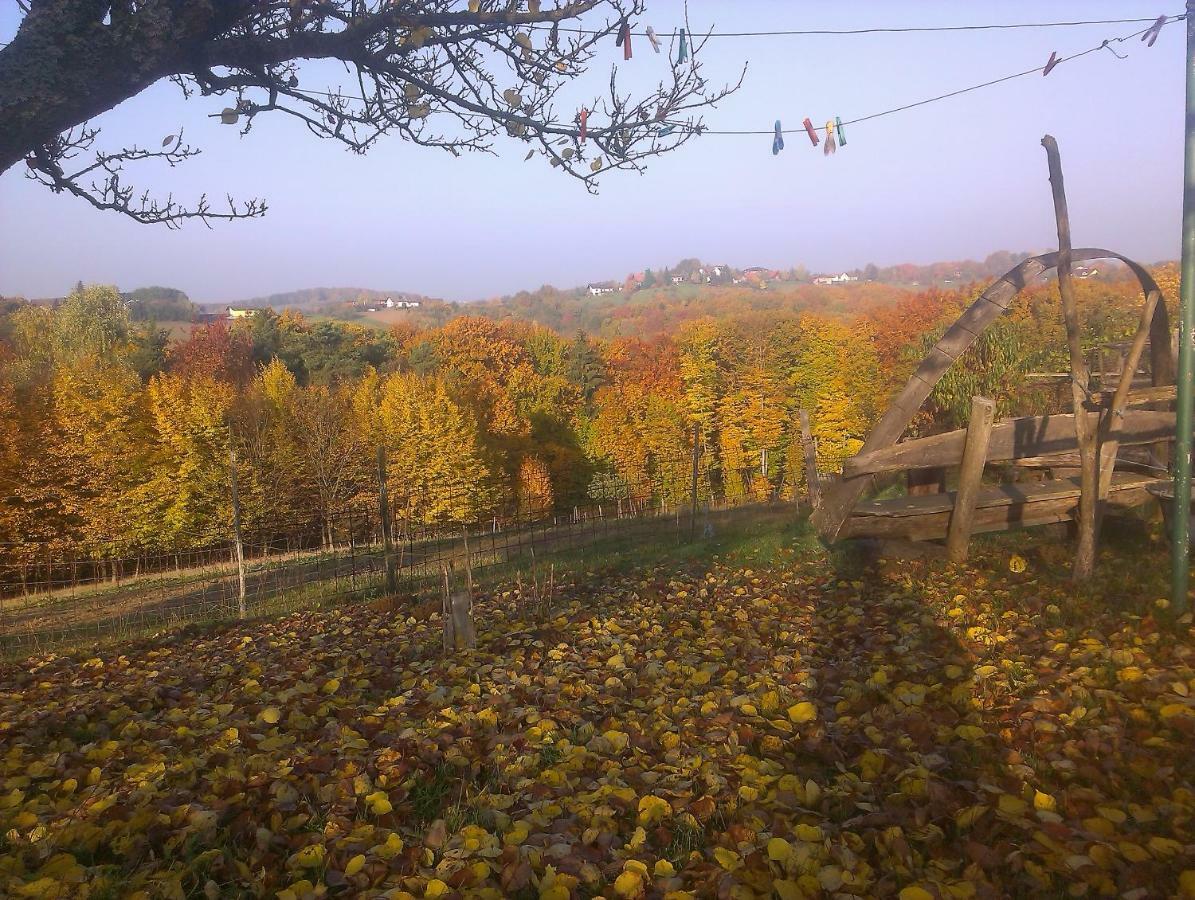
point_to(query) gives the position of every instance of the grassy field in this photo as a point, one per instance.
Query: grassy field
(744, 716)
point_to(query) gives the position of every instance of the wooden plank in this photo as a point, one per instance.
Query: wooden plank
(936, 526)
(1028, 436)
(992, 518)
(979, 431)
(1103, 399)
(812, 479)
(996, 495)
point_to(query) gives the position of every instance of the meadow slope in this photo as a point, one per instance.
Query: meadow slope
(730, 728)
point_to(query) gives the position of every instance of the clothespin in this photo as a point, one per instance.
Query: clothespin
(1151, 33)
(841, 133)
(778, 140)
(682, 52)
(810, 131)
(655, 40)
(1050, 63)
(666, 130)
(584, 119)
(830, 147)
(624, 39)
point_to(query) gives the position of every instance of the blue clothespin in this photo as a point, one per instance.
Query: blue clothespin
(683, 52)
(778, 140)
(841, 133)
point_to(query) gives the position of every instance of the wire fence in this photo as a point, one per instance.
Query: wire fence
(54, 600)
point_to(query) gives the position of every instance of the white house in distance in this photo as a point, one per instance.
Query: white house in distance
(241, 312)
(391, 303)
(596, 289)
(834, 279)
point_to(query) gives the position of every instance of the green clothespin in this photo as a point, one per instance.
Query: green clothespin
(683, 52)
(841, 133)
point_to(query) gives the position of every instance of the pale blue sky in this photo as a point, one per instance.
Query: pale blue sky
(956, 179)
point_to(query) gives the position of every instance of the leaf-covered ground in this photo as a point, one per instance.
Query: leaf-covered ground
(678, 731)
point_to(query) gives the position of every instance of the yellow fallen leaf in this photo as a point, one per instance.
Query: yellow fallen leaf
(802, 712)
(628, 884)
(379, 803)
(1044, 801)
(808, 832)
(355, 865)
(435, 888)
(787, 889)
(1012, 806)
(915, 892)
(1186, 884)
(727, 859)
(270, 715)
(779, 849)
(308, 857)
(653, 809)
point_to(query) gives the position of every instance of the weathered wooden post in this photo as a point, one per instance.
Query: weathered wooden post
(391, 577)
(236, 530)
(1085, 431)
(810, 450)
(693, 488)
(975, 454)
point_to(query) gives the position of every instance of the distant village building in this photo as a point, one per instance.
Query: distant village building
(678, 279)
(1085, 272)
(834, 279)
(241, 312)
(391, 303)
(596, 289)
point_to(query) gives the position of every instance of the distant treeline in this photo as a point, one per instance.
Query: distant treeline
(112, 438)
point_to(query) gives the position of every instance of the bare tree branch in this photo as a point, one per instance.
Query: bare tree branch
(457, 75)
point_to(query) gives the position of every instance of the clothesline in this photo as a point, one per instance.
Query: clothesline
(906, 29)
(975, 87)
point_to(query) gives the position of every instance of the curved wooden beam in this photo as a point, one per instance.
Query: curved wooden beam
(838, 499)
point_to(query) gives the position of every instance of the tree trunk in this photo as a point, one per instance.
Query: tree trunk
(65, 65)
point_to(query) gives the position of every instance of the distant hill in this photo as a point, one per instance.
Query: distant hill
(313, 299)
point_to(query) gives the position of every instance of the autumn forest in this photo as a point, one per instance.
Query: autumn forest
(118, 439)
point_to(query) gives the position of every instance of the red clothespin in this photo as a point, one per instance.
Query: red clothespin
(1050, 63)
(624, 39)
(584, 118)
(812, 132)
(1151, 33)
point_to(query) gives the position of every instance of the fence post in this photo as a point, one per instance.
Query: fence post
(693, 488)
(975, 455)
(812, 479)
(236, 529)
(391, 582)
